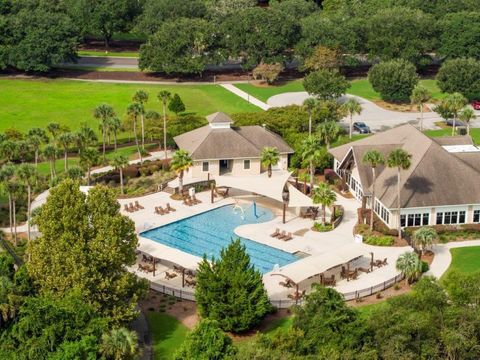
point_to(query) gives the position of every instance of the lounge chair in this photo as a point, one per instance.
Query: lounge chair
(126, 208)
(169, 208)
(169, 276)
(138, 206)
(163, 210)
(288, 237)
(384, 262)
(275, 233)
(282, 235)
(362, 269)
(191, 283)
(159, 211)
(177, 269)
(195, 200)
(131, 207)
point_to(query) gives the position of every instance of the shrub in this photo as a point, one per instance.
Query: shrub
(460, 75)
(322, 228)
(267, 72)
(394, 80)
(378, 240)
(425, 267)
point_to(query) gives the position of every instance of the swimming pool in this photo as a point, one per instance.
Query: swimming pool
(209, 232)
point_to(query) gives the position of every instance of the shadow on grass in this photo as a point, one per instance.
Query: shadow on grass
(167, 334)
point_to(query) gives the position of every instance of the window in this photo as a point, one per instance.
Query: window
(439, 218)
(447, 219)
(418, 219)
(425, 219)
(205, 166)
(476, 216)
(461, 217)
(403, 219)
(246, 164)
(454, 217)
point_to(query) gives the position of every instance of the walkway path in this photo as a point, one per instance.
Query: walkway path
(443, 257)
(246, 96)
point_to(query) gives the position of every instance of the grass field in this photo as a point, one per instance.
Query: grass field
(29, 103)
(359, 87)
(474, 133)
(465, 259)
(108, 54)
(167, 334)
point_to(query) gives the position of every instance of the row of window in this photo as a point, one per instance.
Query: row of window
(414, 219)
(442, 218)
(451, 217)
(382, 212)
(206, 164)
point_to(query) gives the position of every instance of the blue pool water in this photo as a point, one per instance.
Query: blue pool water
(209, 232)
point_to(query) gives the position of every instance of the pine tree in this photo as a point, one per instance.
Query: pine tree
(230, 290)
(176, 105)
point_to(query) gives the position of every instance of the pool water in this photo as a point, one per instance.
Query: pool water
(209, 232)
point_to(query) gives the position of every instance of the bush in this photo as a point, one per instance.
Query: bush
(322, 228)
(376, 240)
(394, 80)
(460, 75)
(267, 72)
(425, 267)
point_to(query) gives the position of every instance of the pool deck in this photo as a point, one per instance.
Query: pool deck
(305, 240)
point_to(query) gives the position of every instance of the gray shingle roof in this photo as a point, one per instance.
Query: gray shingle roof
(219, 117)
(435, 177)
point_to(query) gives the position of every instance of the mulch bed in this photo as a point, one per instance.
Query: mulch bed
(402, 288)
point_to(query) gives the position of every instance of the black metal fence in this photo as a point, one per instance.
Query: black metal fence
(284, 303)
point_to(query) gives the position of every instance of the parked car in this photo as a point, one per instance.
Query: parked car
(449, 122)
(476, 104)
(361, 127)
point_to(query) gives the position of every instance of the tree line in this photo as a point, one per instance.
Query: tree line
(185, 36)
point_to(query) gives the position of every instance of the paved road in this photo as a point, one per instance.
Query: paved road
(106, 62)
(374, 116)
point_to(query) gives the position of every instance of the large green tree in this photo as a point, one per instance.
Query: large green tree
(460, 75)
(325, 84)
(230, 290)
(460, 35)
(86, 244)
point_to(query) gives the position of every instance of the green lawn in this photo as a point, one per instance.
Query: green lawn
(108, 54)
(474, 132)
(29, 103)
(465, 259)
(167, 334)
(359, 87)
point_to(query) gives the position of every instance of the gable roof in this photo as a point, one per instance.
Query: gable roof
(207, 143)
(435, 177)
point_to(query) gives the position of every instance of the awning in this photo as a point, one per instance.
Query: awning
(317, 264)
(164, 252)
(297, 198)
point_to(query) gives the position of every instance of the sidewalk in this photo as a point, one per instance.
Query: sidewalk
(246, 96)
(443, 257)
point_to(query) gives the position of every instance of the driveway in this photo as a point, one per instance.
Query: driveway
(373, 115)
(105, 62)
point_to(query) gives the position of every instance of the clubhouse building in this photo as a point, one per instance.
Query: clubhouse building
(441, 187)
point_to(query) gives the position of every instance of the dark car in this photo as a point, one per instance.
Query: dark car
(361, 127)
(449, 122)
(476, 104)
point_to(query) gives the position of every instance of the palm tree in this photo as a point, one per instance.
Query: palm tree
(352, 107)
(28, 175)
(312, 154)
(454, 103)
(424, 237)
(328, 132)
(37, 137)
(119, 344)
(50, 153)
(164, 96)
(466, 116)
(269, 157)
(9, 150)
(134, 110)
(409, 265)
(420, 96)
(119, 161)
(141, 97)
(309, 106)
(181, 162)
(7, 172)
(104, 113)
(65, 140)
(84, 138)
(401, 160)
(373, 158)
(89, 159)
(54, 129)
(114, 125)
(325, 196)
(152, 117)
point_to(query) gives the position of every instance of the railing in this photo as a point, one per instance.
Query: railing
(284, 303)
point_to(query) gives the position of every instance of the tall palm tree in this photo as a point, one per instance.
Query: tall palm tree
(84, 138)
(152, 118)
(50, 153)
(54, 129)
(119, 344)
(328, 132)
(9, 150)
(104, 113)
(454, 103)
(65, 140)
(37, 137)
(28, 175)
(141, 97)
(410, 265)
(119, 161)
(420, 96)
(134, 110)
(164, 96)
(401, 160)
(325, 196)
(352, 107)
(181, 162)
(269, 157)
(467, 115)
(424, 237)
(309, 106)
(7, 172)
(114, 126)
(373, 158)
(89, 158)
(312, 154)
